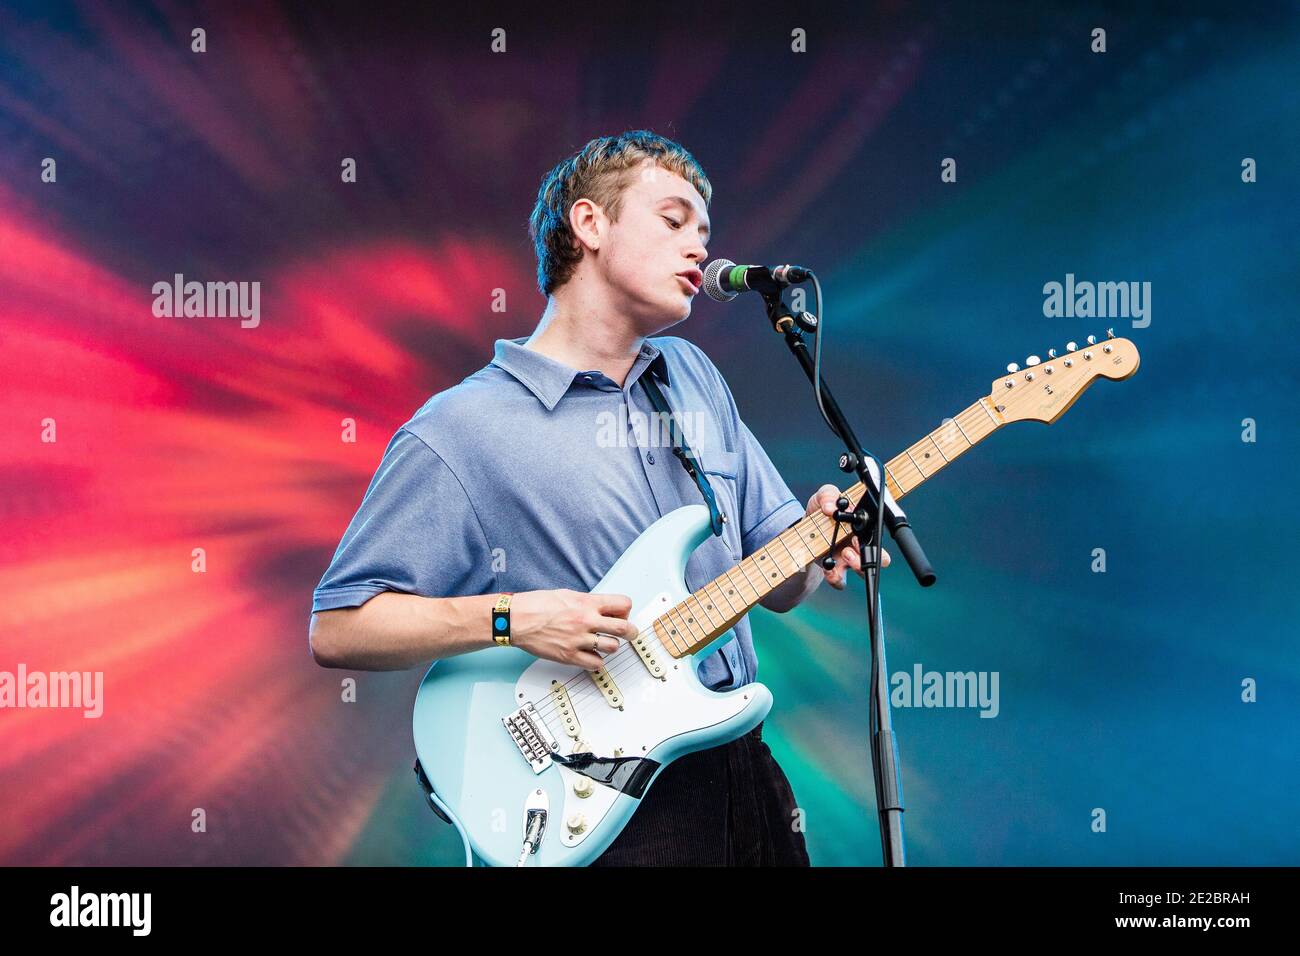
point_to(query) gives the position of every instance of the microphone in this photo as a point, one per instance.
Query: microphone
(724, 280)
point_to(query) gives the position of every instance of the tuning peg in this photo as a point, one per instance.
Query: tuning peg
(1051, 353)
(1110, 333)
(1013, 367)
(1031, 361)
(1071, 346)
(1092, 340)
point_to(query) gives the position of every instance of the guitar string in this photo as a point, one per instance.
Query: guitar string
(591, 690)
(623, 667)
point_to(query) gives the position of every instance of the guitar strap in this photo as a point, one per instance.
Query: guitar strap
(683, 451)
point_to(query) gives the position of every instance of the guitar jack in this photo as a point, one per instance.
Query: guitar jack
(536, 808)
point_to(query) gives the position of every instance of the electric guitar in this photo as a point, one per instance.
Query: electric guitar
(541, 763)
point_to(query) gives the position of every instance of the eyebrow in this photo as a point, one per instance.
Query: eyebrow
(686, 206)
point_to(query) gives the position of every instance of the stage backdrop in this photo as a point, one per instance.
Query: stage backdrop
(173, 487)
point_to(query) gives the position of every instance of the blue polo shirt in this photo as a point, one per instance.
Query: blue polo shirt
(530, 475)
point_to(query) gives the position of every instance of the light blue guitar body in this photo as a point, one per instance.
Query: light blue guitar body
(480, 775)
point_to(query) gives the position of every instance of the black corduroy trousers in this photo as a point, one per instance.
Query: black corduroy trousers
(725, 806)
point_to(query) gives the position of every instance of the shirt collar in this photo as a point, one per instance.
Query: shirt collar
(549, 380)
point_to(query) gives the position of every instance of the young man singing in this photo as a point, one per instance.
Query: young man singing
(510, 482)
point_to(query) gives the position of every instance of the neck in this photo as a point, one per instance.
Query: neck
(585, 338)
(714, 609)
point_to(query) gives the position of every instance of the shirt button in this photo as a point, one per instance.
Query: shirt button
(650, 458)
(586, 378)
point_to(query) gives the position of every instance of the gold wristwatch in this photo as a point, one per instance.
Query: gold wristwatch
(501, 619)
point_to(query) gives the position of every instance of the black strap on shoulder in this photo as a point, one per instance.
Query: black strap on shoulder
(683, 451)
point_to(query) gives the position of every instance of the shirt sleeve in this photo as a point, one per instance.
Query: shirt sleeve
(415, 532)
(767, 505)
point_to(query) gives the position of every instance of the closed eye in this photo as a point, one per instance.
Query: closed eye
(672, 222)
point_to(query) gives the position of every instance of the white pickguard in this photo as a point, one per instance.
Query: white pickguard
(653, 711)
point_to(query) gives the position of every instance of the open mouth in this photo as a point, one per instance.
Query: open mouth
(693, 278)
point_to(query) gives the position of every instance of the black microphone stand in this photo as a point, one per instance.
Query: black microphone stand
(865, 520)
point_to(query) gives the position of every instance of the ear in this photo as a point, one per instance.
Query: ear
(588, 223)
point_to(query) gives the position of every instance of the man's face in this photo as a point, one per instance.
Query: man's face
(653, 257)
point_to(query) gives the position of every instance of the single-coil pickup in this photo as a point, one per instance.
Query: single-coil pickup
(564, 707)
(647, 656)
(605, 684)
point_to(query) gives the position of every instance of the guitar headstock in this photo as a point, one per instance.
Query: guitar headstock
(1045, 388)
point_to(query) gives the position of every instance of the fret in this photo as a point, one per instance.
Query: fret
(816, 535)
(786, 565)
(689, 632)
(915, 465)
(996, 423)
(957, 422)
(669, 641)
(720, 602)
(743, 587)
(746, 566)
(678, 633)
(793, 542)
(733, 592)
(766, 564)
(710, 606)
(728, 597)
(695, 605)
(720, 599)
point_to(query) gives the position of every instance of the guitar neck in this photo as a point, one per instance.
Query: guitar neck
(716, 607)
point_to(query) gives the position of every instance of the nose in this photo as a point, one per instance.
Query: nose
(697, 253)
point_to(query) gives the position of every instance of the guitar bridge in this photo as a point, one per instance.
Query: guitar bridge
(531, 736)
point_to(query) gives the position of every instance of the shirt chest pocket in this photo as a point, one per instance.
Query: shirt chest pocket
(722, 470)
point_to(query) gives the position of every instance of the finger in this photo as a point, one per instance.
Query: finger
(835, 578)
(818, 501)
(614, 605)
(604, 643)
(589, 661)
(884, 558)
(615, 626)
